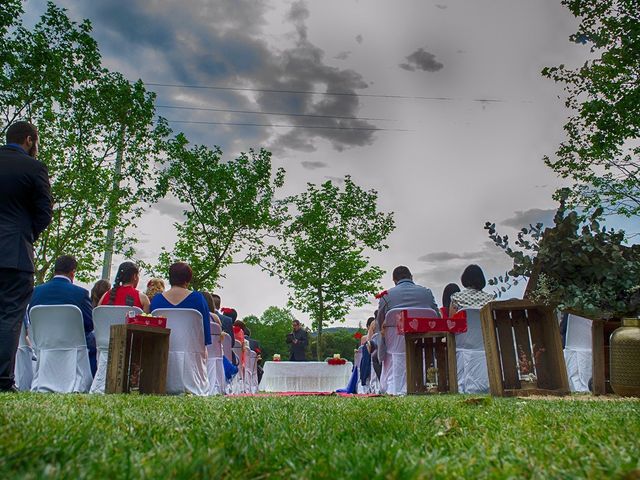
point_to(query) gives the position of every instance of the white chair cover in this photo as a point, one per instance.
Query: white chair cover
(251, 373)
(57, 334)
(394, 367)
(187, 369)
(237, 382)
(24, 366)
(578, 354)
(103, 317)
(227, 347)
(471, 358)
(215, 366)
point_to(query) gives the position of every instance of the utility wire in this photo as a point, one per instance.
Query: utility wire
(307, 92)
(226, 110)
(323, 127)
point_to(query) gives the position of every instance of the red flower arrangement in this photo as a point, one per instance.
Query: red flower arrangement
(358, 335)
(336, 361)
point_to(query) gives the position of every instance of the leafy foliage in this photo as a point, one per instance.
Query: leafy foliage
(601, 151)
(340, 341)
(271, 331)
(320, 255)
(52, 75)
(579, 265)
(231, 208)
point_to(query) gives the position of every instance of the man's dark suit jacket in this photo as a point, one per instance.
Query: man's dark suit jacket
(60, 291)
(297, 349)
(25, 207)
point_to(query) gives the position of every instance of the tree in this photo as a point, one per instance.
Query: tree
(90, 121)
(320, 254)
(231, 208)
(340, 341)
(601, 151)
(271, 330)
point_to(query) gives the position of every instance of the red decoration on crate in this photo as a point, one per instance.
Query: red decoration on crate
(336, 361)
(455, 324)
(147, 321)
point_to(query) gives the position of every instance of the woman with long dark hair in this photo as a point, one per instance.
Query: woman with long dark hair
(472, 296)
(98, 290)
(449, 290)
(124, 290)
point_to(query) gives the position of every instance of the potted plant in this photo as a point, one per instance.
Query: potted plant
(581, 267)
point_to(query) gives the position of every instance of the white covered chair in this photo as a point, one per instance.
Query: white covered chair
(215, 366)
(237, 382)
(24, 366)
(471, 358)
(187, 369)
(227, 347)
(57, 334)
(103, 317)
(578, 353)
(251, 373)
(394, 366)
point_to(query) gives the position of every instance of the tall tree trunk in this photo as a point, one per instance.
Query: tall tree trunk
(320, 322)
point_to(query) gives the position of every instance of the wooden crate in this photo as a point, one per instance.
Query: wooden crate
(601, 331)
(140, 349)
(517, 334)
(427, 350)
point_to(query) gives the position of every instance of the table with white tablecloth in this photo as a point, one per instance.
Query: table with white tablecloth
(304, 376)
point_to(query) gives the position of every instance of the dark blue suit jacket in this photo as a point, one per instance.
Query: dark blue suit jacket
(60, 291)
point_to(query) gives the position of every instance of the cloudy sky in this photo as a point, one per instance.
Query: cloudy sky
(442, 110)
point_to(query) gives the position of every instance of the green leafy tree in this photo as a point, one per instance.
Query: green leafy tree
(231, 208)
(601, 150)
(271, 330)
(321, 253)
(98, 136)
(341, 341)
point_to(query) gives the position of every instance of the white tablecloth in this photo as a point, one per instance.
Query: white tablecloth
(304, 377)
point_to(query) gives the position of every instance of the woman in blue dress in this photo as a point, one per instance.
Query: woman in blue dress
(179, 296)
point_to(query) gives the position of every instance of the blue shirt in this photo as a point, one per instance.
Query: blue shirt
(194, 300)
(18, 147)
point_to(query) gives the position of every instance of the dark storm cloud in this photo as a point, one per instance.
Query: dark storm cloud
(446, 256)
(314, 165)
(171, 208)
(422, 60)
(338, 180)
(525, 218)
(342, 55)
(221, 43)
(359, 39)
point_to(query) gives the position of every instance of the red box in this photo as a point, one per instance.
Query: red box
(407, 324)
(148, 321)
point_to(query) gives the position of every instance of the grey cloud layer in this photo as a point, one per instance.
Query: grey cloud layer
(221, 43)
(525, 218)
(421, 60)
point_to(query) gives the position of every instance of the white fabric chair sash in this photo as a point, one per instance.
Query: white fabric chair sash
(394, 367)
(215, 365)
(471, 358)
(187, 369)
(24, 366)
(578, 354)
(57, 333)
(103, 317)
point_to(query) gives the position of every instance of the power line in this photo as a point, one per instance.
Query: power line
(324, 127)
(227, 110)
(307, 92)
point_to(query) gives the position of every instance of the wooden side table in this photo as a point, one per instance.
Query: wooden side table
(426, 351)
(145, 347)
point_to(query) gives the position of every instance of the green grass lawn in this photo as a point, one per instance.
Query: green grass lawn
(118, 436)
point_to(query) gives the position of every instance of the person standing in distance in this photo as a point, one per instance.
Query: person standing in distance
(25, 212)
(298, 340)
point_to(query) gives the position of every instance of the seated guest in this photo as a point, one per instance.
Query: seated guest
(472, 296)
(124, 291)
(212, 308)
(238, 332)
(99, 289)
(60, 290)
(154, 287)
(179, 296)
(225, 321)
(449, 290)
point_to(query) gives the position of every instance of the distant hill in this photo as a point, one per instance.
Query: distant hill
(351, 330)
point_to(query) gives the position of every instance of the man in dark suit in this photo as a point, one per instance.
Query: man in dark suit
(299, 341)
(60, 290)
(25, 211)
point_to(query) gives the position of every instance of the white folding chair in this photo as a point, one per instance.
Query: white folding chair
(394, 366)
(215, 366)
(578, 353)
(103, 317)
(374, 380)
(227, 348)
(24, 366)
(251, 373)
(187, 369)
(57, 334)
(237, 382)
(471, 358)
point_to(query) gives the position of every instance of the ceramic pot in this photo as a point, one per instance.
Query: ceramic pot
(624, 365)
